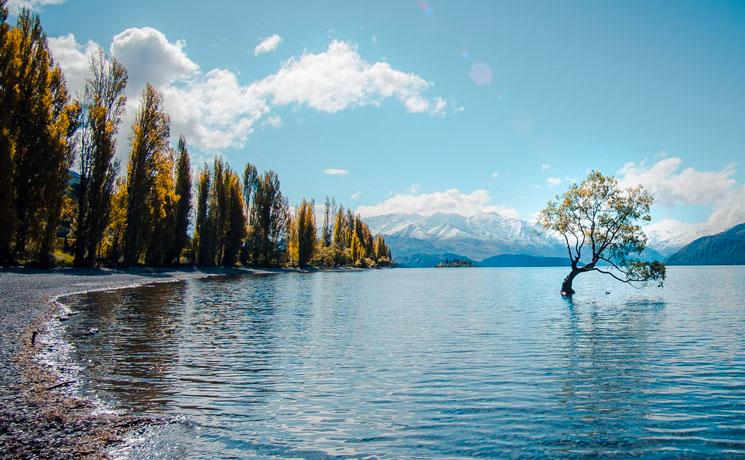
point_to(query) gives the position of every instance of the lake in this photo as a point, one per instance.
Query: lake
(406, 363)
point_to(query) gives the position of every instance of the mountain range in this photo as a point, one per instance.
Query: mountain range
(493, 239)
(423, 241)
(726, 248)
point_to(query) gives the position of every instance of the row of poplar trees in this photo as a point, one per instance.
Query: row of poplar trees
(248, 220)
(141, 215)
(38, 122)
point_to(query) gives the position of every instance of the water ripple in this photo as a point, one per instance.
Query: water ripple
(423, 363)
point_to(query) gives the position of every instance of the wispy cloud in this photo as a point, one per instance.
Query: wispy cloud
(356, 195)
(414, 188)
(335, 172)
(545, 167)
(553, 181)
(15, 6)
(274, 121)
(268, 45)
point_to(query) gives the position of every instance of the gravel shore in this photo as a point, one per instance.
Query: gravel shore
(38, 420)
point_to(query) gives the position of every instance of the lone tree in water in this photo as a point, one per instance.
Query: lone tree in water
(599, 215)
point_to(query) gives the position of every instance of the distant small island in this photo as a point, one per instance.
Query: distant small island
(454, 263)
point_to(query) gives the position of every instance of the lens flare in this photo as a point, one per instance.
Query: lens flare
(481, 73)
(424, 6)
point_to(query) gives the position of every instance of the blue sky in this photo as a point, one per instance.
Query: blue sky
(534, 93)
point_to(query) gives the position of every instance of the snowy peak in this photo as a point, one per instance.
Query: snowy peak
(417, 239)
(475, 237)
(667, 236)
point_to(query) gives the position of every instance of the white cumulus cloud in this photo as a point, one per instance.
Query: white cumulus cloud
(150, 58)
(268, 44)
(728, 211)
(74, 60)
(669, 185)
(338, 78)
(215, 111)
(451, 201)
(672, 186)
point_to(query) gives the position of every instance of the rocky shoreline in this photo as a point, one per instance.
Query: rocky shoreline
(38, 417)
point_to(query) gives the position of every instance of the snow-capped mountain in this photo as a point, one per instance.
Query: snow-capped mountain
(424, 240)
(419, 240)
(668, 236)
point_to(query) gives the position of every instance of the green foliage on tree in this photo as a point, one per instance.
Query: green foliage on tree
(112, 246)
(160, 218)
(37, 124)
(150, 133)
(7, 145)
(202, 230)
(235, 219)
(329, 210)
(269, 217)
(183, 193)
(603, 219)
(302, 234)
(103, 106)
(143, 217)
(354, 244)
(221, 216)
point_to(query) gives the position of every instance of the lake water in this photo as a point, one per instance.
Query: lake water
(419, 363)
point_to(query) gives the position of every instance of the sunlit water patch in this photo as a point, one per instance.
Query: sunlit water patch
(422, 363)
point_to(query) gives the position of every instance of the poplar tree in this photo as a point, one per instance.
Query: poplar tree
(57, 157)
(269, 218)
(327, 228)
(37, 121)
(302, 239)
(250, 176)
(382, 253)
(236, 219)
(340, 229)
(103, 105)
(113, 241)
(161, 212)
(183, 192)
(150, 133)
(27, 79)
(7, 101)
(216, 215)
(353, 242)
(201, 230)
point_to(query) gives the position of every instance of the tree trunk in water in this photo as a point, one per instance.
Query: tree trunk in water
(566, 285)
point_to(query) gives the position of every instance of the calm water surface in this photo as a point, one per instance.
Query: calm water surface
(423, 363)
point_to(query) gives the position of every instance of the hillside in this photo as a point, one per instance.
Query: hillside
(726, 248)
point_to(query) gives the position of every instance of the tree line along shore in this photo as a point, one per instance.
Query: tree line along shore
(101, 215)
